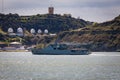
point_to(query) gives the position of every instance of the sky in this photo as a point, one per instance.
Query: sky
(89, 10)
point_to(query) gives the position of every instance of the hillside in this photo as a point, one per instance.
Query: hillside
(103, 36)
(54, 23)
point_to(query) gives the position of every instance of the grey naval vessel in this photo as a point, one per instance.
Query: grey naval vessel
(61, 49)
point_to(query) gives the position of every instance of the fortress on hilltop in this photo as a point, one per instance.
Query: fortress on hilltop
(51, 10)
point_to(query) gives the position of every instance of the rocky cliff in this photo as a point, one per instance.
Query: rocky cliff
(102, 36)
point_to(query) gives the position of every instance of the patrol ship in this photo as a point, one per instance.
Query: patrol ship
(60, 49)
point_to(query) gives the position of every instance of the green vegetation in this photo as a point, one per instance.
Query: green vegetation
(54, 23)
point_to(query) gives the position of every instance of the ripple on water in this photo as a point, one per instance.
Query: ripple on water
(25, 66)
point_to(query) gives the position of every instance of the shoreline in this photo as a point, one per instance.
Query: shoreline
(15, 51)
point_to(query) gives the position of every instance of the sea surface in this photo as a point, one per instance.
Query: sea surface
(25, 66)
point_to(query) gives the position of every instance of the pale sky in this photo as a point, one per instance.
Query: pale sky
(91, 10)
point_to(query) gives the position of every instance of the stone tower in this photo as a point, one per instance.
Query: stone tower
(51, 10)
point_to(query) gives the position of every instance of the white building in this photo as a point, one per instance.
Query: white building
(39, 31)
(46, 31)
(20, 32)
(32, 31)
(11, 32)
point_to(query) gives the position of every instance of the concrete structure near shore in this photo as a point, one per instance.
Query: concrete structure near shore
(15, 44)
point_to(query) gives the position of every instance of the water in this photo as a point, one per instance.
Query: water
(25, 66)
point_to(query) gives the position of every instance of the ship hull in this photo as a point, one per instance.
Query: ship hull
(58, 52)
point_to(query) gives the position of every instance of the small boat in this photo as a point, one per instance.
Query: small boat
(60, 49)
